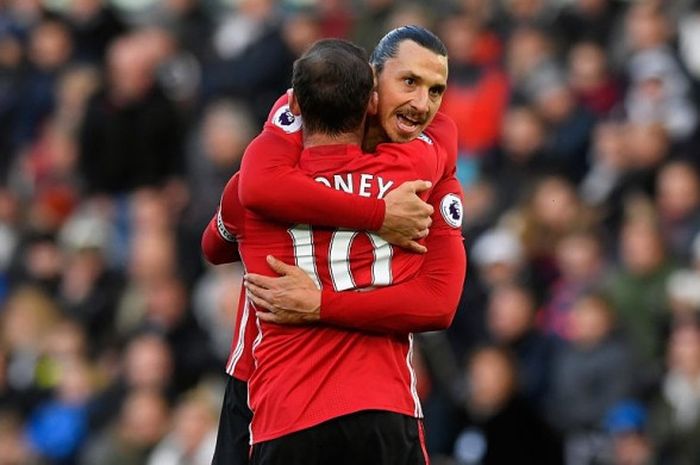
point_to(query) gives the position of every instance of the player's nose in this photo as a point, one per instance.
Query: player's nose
(420, 101)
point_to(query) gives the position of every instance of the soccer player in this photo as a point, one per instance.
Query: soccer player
(423, 92)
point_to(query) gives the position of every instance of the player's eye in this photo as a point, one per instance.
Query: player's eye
(436, 92)
(409, 81)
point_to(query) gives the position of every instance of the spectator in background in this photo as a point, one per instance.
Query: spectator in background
(10, 397)
(255, 50)
(500, 427)
(211, 305)
(13, 443)
(188, 21)
(524, 13)
(683, 289)
(678, 204)
(58, 427)
(497, 259)
(411, 12)
(660, 92)
(638, 288)
(214, 154)
(146, 365)
(569, 124)
(168, 313)
(193, 434)
(336, 18)
(142, 423)
(675, 414)
(29, 317)
(37, 261)
(581, 266)
(89, 290)
(372, 22)
(529, 52)
(93, 25)
(626, 424)
(130, 136)
(23, 16)
(511, 324)
(11, 73)
(688, 40)
(49, 53)
(552, 211)
(10, 237)
(587, 20)
(628, 157)
(590, 78)
(521, 156)
(477, 95)
(608, 161)
(152, 256)
(592, 372)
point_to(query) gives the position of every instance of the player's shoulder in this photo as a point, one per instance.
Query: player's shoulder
(270, 139)
(442, 130)
(281, 120)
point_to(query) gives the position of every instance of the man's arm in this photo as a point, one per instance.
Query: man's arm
(426, 302)
(219, 244)
(272, 185)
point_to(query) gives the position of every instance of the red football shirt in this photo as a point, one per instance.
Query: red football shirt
(425, 303)
(304, 376)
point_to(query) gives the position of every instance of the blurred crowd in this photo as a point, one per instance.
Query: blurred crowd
(577, 340)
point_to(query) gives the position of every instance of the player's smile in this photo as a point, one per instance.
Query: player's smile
(410, 124)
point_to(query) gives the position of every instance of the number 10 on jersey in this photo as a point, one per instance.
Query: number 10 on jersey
(338, 253)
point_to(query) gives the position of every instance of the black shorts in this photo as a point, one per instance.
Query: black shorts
(233, 438)
(364, 438)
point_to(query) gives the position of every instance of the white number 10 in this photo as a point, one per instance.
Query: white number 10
(339, 257)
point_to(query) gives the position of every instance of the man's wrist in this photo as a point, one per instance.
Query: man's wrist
(378, 215)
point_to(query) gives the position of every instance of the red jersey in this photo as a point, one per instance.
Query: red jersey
(306, 375)
(324, 254)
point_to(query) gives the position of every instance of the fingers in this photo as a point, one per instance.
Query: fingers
(419, 186)
(422, 234)
(279, 318)
(258, 292)
(261, 303)
(414, 246)
(278, 266)
(267, 317)
(259, 280)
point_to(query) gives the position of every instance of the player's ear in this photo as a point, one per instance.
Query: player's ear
(373, 104)
(293, 103)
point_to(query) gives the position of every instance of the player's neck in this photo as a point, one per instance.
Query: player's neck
(374, 135)
(347, 138)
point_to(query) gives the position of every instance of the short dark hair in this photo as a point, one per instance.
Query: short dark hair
(389, 44)
(332, 83)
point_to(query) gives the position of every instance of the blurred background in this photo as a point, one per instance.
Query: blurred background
(577, 340)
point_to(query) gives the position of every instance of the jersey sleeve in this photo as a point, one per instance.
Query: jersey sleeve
(272, 184)
(447, 195)
(219, 238)
(446, 199)
(443, 131)
(426, 303)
